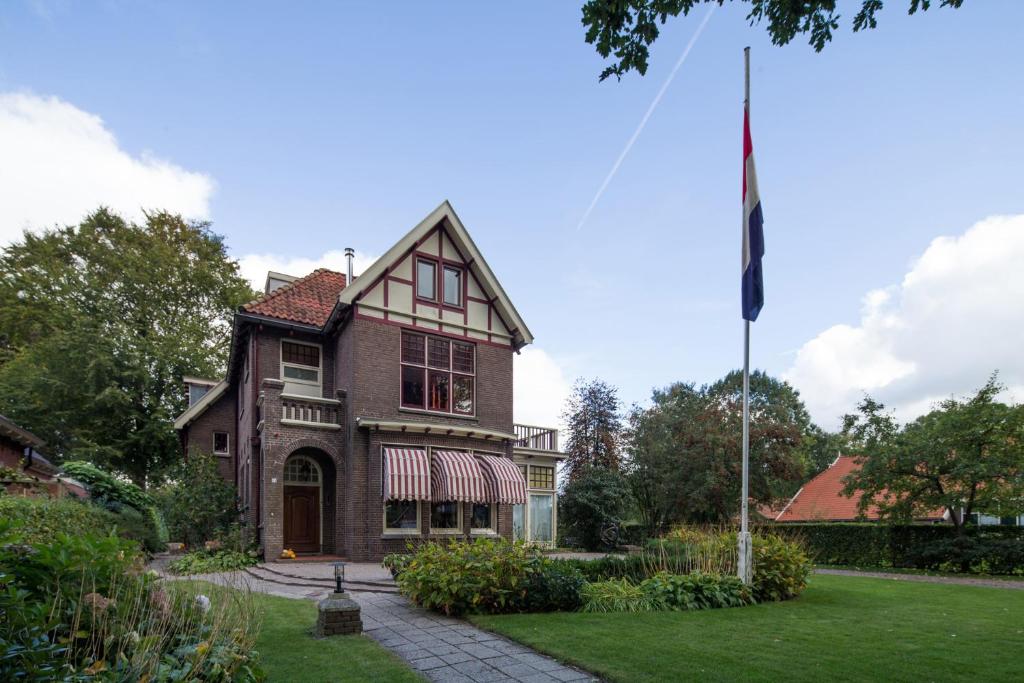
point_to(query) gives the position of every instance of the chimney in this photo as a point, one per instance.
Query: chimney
(350, 254)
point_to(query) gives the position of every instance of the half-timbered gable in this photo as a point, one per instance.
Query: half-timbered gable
(435, 279)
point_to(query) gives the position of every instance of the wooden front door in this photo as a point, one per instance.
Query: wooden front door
(302, 518)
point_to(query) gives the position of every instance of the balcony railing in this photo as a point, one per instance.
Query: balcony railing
(310, 411)
(536, 438)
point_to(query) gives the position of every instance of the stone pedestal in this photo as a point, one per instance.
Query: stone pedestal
(338, 614)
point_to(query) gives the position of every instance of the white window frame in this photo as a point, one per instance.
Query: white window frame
(462, 274)
(384, 504)
(451, 372)
(319, 369)
(226, 453)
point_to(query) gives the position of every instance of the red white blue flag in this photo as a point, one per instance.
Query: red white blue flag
(753, 232)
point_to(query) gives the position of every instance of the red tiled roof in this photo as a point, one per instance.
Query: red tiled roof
(822, 500)
(308, 300)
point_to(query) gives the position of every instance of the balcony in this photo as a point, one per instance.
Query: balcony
(531, 437)
(310, 411)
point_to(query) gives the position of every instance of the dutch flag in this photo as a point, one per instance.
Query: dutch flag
(753, 232)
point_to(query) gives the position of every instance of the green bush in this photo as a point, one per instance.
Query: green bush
(481, 576)
(995, 550)
(39, 520)
(104, 487)
(396, 563)
(593, 499)
(138, 526)
(552, 587)
(618, 595)
(697, 591)
(781, 567)
(199, 506)
(204, 562)
(77, 608)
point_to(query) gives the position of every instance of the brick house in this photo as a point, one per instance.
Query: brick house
(25, 470)
(358, 414)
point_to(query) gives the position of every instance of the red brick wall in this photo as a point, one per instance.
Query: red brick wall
(219, 417)
(11, 453)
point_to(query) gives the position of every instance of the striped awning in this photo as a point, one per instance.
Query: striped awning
(406, 474)
(505, 481)
(456, 476)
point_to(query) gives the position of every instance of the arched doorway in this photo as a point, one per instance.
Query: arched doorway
(303, 511)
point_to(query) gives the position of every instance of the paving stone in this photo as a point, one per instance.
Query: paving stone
(479, 651)
(448, 675)
(567, 674)
(538, 661)
(458, 657)
(518, 671)
(428, 663)
(538, 678)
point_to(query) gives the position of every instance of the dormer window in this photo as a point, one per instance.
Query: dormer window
(426, 279)
(453, 286)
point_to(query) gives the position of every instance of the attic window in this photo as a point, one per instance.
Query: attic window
(220, 443)
(453, 286)
(426, 279)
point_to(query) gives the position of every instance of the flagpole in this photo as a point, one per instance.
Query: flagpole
(745, 569)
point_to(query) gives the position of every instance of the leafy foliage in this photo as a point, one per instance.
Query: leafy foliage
(626, 28)
(553, 587)
(104, 488)
(204, 562)
(965, 455)
(100, 321)
(79, 608)
(39, 520)
(594, 420)
(198, 504)
(697, 591)
(781, 567)
(990, 549)
(617, 595)
(396, 562)
(595, 498)
(686, 449)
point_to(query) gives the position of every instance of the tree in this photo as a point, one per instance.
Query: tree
(100, 321)
(685, 450)
(595, 498)
(198, 504)
(594, 420)
(964, 455)
(626, 28)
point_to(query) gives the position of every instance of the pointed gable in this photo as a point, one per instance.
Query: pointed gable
(435, 278)
(308, 300)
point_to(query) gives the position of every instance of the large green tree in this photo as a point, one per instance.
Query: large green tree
(626, 28)
(593, 416)
(964, 456)
(685, 450)
(100, 321)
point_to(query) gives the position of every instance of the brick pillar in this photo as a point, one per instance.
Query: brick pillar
(272, 474)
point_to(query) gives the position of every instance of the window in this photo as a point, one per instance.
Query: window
(300, 364)
(482, 520)
(444, 516)
(220, 443)
(301, 470)
(426, 279)
(542, 477)
(453, 286)
(541, 514)
(402, 515)
(438, 374)
(518, 522)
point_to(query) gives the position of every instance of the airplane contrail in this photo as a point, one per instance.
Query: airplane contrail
(643, 121)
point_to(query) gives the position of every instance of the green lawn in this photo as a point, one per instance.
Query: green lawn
(841, 628)
(289, 653)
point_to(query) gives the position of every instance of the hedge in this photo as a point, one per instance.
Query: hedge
(989, 549)
(38, 520)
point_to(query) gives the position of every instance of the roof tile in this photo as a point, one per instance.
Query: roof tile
(308, 300)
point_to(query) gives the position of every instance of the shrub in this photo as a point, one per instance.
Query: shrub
(593, 499)
(138, 526)
(552, 587)
(204, 562)
(199, 506)
(105, 488)
(618, 595)
(39, 520)
(697, 591)
(396, 563)
(781, 567)
(481, 576)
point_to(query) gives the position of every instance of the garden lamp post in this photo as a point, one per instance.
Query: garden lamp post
(339, 576)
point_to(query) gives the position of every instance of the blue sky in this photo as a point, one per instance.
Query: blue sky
(303, 129)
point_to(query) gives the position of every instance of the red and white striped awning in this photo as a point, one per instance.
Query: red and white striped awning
(505, 481)
(406, 474)
(456, 476)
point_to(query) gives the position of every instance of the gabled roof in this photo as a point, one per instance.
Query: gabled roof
(19, 435)
(308, 300)
(200, 406)
(475, 261)
(822, 500)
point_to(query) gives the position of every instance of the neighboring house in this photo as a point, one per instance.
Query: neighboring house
(357, 415)
(23, 467)
(822, 500)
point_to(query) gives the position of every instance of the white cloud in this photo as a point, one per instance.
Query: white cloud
(957, 315)
(58, 163)
(539, 387)
(254, 267)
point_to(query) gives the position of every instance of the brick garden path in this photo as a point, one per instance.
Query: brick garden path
(441, 648)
